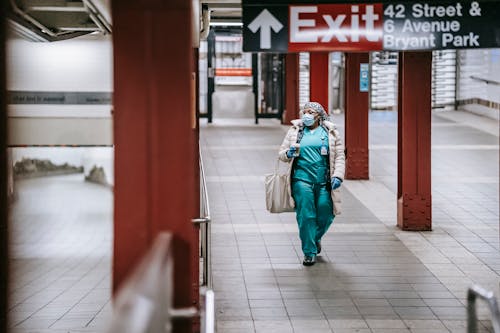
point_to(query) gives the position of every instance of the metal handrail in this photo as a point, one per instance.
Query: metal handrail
(144, 303)
(488, 296)
(205, 210)
(208, 311)
(487, 81)
(205, 227)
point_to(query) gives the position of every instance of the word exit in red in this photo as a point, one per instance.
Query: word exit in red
(346, 27)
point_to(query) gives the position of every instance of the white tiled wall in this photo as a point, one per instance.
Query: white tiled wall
(384, 80)
(472, 62)
(476, 66)
(443, 79)
(303, 77)
(82, 64)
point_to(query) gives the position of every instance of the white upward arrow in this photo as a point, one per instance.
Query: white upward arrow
(265, 21)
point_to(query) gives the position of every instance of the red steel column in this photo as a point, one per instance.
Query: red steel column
(154, 115)
(195, 261)
(292, 87)
(414, 141)
(318, 78)
(356, 119)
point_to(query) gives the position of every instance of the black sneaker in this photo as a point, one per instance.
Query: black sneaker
(309, 260)
(318, 246)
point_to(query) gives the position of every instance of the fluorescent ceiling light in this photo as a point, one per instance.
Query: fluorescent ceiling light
(226, 24)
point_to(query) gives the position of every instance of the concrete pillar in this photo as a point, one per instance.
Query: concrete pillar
(154, 136)
(356, 119)
(292, 87)
(318, 78)
(414, 141)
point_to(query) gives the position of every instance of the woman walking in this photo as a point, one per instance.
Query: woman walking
(314, 147)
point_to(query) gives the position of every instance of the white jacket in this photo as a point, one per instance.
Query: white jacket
(337, 156)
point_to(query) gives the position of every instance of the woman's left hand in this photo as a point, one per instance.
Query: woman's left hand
(336, 182)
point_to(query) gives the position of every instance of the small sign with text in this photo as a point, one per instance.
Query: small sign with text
(426, 26)
(394, 26)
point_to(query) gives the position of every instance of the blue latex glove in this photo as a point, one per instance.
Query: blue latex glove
(336, 182)
(291, 151)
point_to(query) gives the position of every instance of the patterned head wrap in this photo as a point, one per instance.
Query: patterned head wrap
(316, 107)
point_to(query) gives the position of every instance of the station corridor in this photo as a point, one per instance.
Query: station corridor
(371, 276)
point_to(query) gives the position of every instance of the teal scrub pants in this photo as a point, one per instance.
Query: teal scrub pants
(314, 208)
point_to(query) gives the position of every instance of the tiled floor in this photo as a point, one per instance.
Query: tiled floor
(371, 277)
(61, 230)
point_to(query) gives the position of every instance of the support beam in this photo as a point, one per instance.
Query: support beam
(154, 126)
(210, 73)
(292, 87)
(356, 118)
(414, 141)
(195, 261)
(318, 78)
(255, 86)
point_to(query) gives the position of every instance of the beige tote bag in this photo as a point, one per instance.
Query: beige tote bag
(278, 191)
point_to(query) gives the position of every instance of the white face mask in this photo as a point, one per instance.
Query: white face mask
(308, 119)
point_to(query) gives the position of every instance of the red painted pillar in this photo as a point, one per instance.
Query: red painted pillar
(414, 141)
(195, 260)
(356, 118)
(154, 137)
(292, 87)
(318, 78)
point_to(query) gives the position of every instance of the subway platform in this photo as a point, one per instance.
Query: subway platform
(60, 256)
(371, 277)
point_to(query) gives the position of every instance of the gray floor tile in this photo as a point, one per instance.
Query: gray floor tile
(406, 302)
(341, 312)
(348, 324)
(424, 324)
(235, 326)
(266, 303)
(454, 312)
(307, 326)
(379, 311)
(387, 324)
(414, 312)
(279, 326)
(440, 302)
(267, 313)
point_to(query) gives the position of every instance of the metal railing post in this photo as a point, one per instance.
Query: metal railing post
(204, 222)
(488, 296)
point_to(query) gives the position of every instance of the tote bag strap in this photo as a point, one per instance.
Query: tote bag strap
(300, 134)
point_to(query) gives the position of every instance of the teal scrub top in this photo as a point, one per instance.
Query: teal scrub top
(310, 166)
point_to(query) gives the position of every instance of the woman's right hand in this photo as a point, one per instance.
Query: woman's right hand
(291, 151)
